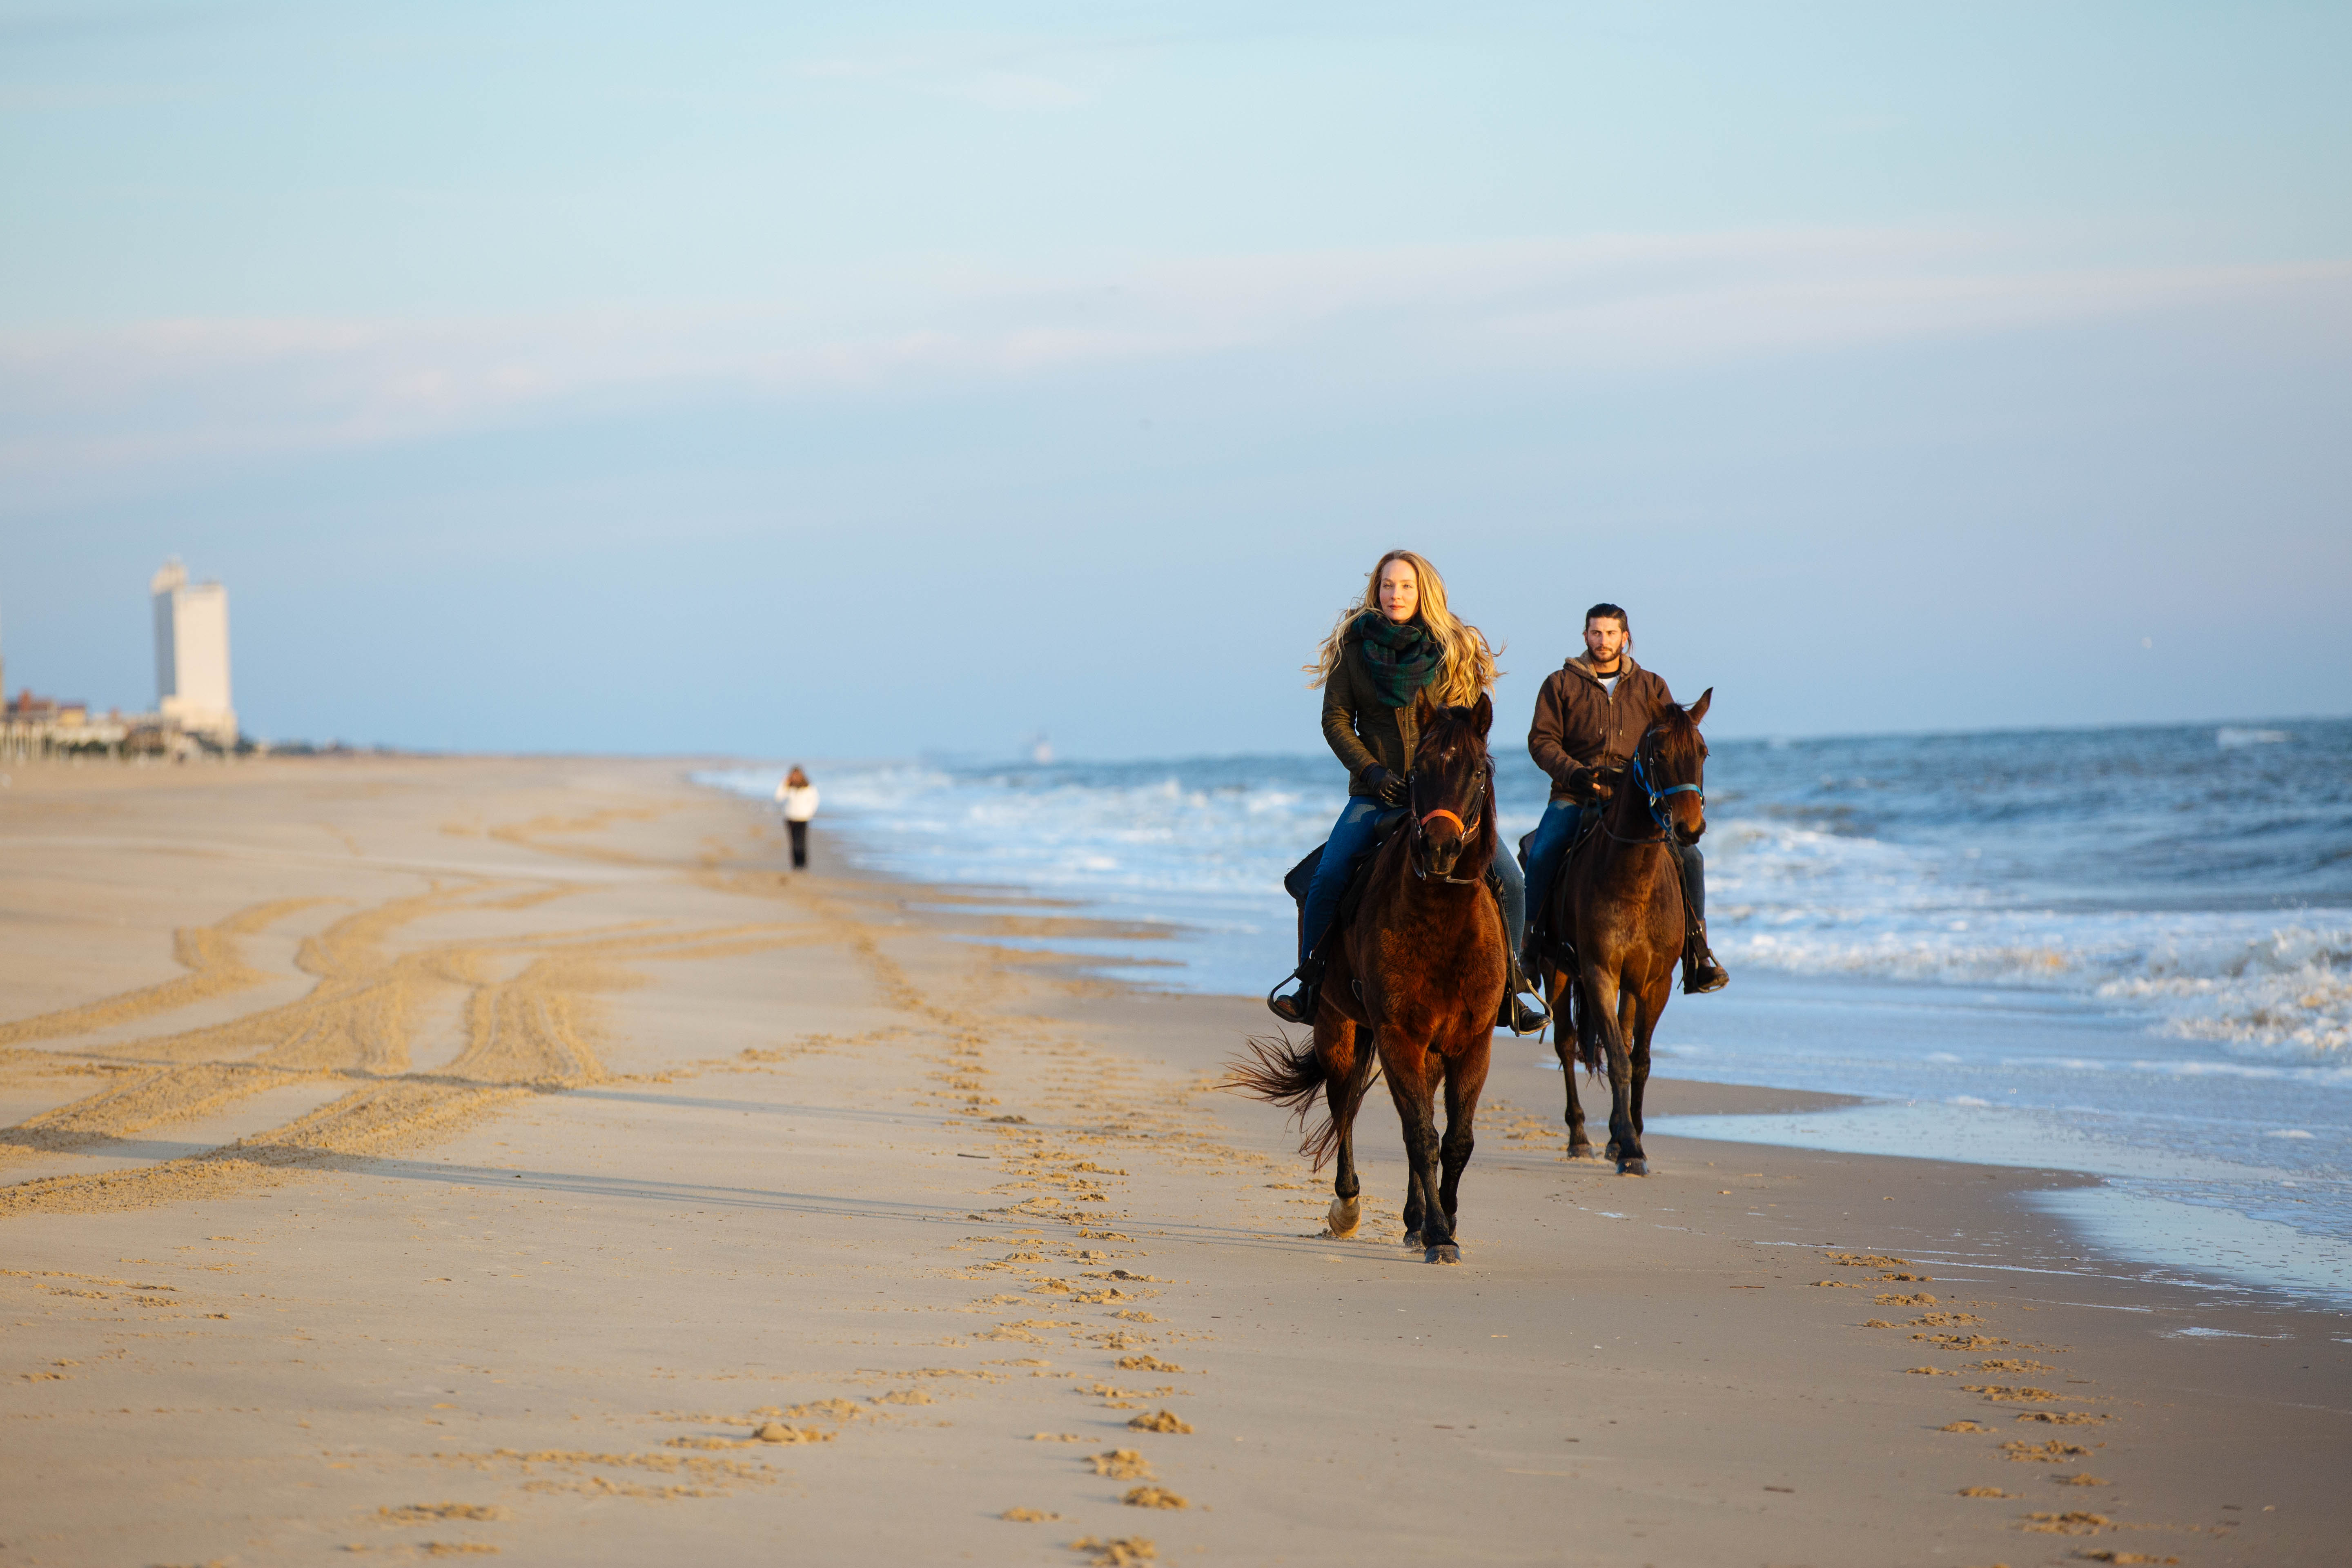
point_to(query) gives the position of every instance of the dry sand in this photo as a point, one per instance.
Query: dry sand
(418, 1158)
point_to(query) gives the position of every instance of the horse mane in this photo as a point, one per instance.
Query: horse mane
(1678, 736)
(1443, 723)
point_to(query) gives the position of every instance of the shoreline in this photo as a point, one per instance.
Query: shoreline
(861, 1154)
(2139, 1228)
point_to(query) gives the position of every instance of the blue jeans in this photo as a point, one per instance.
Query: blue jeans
(1352, 839)
(1554, 834)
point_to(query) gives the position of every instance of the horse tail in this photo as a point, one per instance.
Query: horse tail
(1588, 1042)
(1288, 1075)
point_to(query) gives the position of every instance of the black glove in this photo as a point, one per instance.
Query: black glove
(1384, 786)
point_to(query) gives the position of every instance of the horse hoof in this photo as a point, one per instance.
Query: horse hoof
(1412, 1238)
(1632, 1167)
(1583, 1151)
(1346, 1213)
(1446, 1252)
(1610, 1152)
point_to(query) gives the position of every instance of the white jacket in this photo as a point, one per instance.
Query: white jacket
(800, 805)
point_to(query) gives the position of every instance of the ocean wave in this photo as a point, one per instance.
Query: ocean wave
(2095, 864)
(1804, 902)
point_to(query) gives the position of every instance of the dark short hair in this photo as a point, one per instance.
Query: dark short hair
(1608, 612)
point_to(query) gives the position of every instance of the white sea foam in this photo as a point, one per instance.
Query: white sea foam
(1203, 844)
(1806, 901)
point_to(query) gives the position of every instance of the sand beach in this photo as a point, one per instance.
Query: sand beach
(510, 1157)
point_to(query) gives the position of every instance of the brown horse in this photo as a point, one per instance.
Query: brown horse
(1413, 987)
(1620, 901)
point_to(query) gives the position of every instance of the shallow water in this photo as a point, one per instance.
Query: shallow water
(2128, 953)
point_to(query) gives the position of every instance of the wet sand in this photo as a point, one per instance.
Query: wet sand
(416, 1158)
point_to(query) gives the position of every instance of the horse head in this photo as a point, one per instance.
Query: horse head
(1670, 764)
(1451, 790)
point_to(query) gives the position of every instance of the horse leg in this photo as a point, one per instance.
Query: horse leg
(1344, 1093)
(1465, 1077)
(1606, 1008)
(1564, 1045)
(1625, 1098)
(1592, 1044)
(1651, 999)
(1411, 1088)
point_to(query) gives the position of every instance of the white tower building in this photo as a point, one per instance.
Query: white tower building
(192, 654)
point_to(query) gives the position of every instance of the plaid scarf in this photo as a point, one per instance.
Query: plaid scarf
(1401, 657)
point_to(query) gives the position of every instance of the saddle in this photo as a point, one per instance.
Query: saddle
(1301, 877)
(1556, 946)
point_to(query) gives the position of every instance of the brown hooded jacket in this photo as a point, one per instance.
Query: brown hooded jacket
(1579, 723)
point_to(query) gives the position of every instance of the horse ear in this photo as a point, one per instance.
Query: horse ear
(1482, 717)
(1699, 709)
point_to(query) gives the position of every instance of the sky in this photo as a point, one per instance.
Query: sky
(886, 379)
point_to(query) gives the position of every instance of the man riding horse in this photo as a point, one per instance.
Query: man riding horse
(1395, 656)
(1589, 716)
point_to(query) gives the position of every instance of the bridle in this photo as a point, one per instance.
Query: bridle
(1421, 819)
(1653, 796)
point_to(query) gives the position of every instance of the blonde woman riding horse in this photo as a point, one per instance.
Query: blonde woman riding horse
(1391, 660)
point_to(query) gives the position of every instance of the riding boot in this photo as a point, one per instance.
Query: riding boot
(1518, 1013)
(1298, 1007)
(1522, 1014)
(1701, 972)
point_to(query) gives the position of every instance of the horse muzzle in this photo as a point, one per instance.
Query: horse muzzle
(1444, 857)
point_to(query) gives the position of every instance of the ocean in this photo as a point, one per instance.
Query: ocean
(2121, 952)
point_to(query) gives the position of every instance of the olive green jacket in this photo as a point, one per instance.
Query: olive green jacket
(1363, 733)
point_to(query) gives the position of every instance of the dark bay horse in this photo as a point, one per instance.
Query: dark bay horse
(1412, 987)
(1620, 899)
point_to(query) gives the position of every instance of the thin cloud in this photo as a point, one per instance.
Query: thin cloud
(161, 394)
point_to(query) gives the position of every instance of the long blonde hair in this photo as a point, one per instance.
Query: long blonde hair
(1467, 666)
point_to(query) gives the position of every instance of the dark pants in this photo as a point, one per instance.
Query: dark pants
(1558, 831)
(1554, 834)
(1352, 838)
(799, 830)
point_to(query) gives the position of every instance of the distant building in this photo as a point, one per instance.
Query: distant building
(191, 655)
(27, 708)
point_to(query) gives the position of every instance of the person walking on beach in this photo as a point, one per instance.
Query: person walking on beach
(798, 798)
(1591, 714)
(1391, 659)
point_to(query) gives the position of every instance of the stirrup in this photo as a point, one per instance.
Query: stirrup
(1701, 972)
(1298, 1008)
(1521, 1012)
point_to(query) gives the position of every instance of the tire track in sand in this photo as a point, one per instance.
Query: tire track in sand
(533, 1031)
(211, 954)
